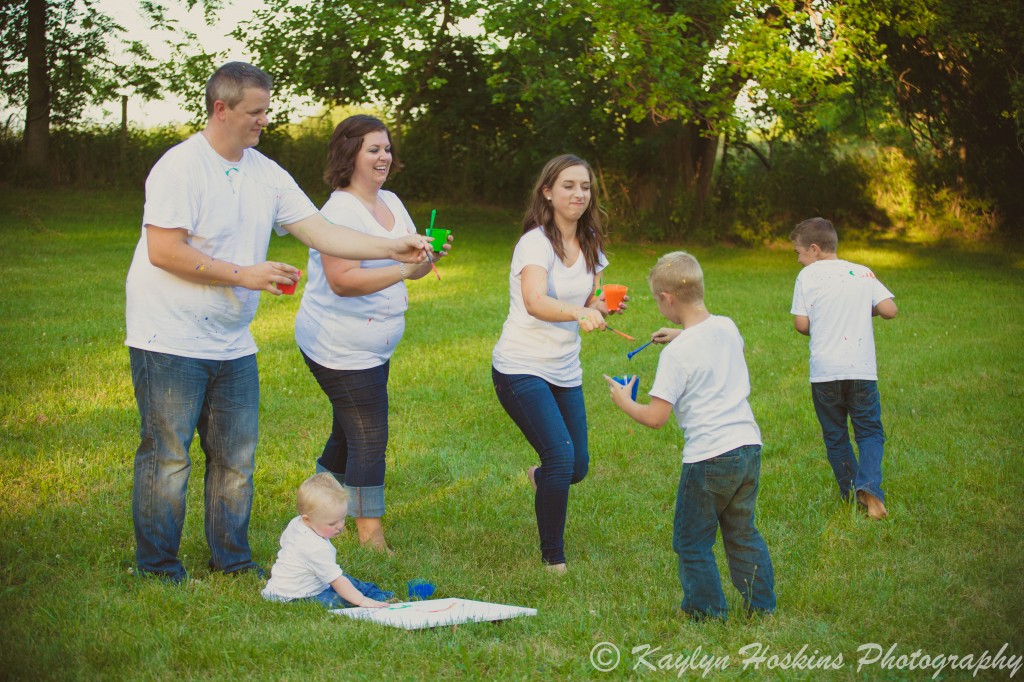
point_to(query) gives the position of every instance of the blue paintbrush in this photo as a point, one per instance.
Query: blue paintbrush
(630, 354)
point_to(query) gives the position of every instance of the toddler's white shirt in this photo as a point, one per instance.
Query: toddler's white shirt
(306, 564)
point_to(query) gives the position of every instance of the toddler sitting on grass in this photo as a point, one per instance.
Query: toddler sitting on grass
(307, 566)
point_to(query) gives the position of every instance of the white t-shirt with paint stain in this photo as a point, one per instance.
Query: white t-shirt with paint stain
(837, 296)
(354, 332)
(703, 374)
(229, 210)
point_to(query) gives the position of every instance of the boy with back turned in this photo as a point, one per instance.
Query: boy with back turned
(833, 303)
(702, 377)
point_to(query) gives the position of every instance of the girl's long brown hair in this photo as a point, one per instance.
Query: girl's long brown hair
(589, 231)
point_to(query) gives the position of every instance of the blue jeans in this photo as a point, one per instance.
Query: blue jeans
(177, 397)
(858, 399)
(333, 600)
(355, 450)
(554, 421)
(722, 492)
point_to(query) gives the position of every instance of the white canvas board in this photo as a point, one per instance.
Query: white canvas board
(432, 613)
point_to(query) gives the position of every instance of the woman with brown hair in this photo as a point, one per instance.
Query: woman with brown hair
(352, 317)
(553, 291)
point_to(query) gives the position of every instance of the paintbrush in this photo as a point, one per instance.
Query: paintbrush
(622, 334)
(630, 354)
(433, 214)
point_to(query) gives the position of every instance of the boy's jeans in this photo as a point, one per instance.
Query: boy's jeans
(858, 399)
(178, 396)
(722, 491)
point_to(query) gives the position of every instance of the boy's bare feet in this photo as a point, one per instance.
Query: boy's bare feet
(531, 474)
(558, 569)
(876, 509)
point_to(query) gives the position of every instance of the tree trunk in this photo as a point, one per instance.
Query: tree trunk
(37, 119)
(673, 179)
(124, 133)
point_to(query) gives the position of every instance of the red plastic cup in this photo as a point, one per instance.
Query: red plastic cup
(289, 289)
(613, 295)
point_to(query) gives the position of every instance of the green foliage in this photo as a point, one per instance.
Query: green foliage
(941, 576)
(955, 71)
(81, 64)
(128, 155)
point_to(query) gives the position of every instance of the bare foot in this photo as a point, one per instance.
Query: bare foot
(531, 474)
(558, 569)
(371, 535)
(876, 509)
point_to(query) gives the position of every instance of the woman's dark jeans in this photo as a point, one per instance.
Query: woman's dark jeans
(354, 453)
(554, 421)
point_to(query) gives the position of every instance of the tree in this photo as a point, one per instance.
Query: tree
(666, 76)
(54, 62)
(37, 118)
(956, 72)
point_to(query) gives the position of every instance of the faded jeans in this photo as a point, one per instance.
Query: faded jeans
(722, 492)
(177, 397)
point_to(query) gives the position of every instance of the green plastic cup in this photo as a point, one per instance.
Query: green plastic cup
(440, 238)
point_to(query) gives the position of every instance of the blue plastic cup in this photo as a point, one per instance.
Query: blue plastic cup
(625, 380)
(420, 589)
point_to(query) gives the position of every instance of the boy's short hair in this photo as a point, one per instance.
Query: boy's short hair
(317, 492)
(228, 84)
(679, 274)
(816, 231)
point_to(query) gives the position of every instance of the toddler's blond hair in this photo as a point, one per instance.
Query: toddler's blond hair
(318, 492)
(679, 274)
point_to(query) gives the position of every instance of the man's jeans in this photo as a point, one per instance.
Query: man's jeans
(554, 420)
(858, 399)
(722, 491)
(178, 396)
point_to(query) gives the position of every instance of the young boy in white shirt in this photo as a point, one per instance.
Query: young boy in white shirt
(307, 566)
(702, 377)
(833, 303)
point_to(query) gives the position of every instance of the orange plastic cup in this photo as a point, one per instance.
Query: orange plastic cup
(613, 295)
(289, 288)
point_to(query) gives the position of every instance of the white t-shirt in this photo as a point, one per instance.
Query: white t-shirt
(306, 565)
(703, 374)
(837, 297)
(357, 332)
(550, 350)
(229, 210)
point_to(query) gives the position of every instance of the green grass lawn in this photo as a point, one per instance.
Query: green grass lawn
(942, 576)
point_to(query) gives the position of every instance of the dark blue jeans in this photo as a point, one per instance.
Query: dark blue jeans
(554, 421)
(177, 397)
(355, 450)
(722, 492)
(857, 399)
